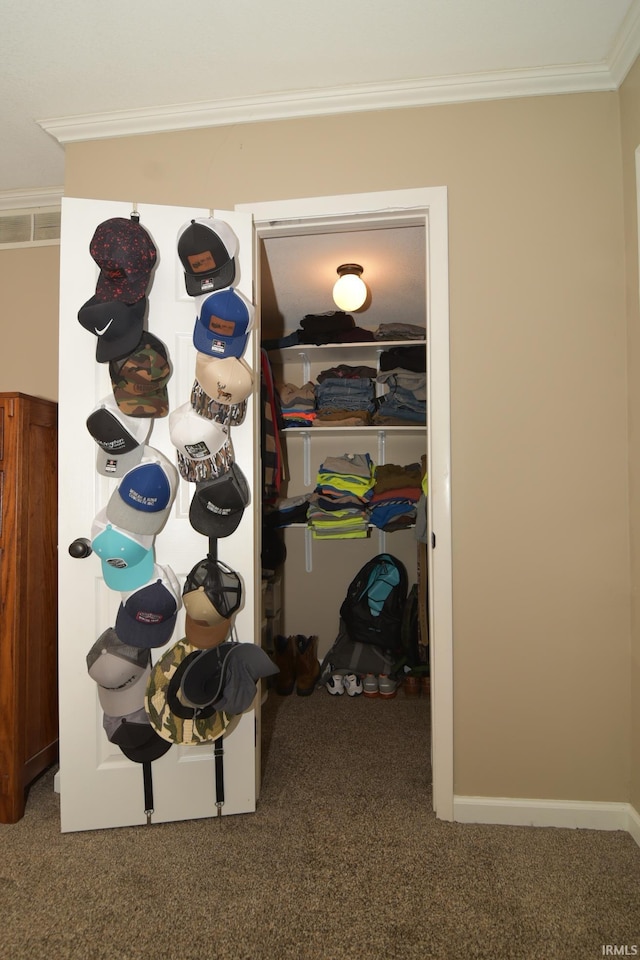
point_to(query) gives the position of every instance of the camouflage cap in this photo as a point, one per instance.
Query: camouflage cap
(140, 380)
(171, 718)
(230, 414)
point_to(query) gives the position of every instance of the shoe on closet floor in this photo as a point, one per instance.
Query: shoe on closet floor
(334, 684)
(307, 664)
(352, 684)
(284, 659)
(411, 686)
(370, 685)
(387, 686)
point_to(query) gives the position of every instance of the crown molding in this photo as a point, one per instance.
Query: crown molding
(626, 46)
(24, 199)
(585, 78)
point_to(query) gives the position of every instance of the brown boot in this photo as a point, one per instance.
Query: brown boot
(307, 665)
(284, 654)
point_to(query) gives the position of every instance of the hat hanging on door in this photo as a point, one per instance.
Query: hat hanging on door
(135, 736)
(126, 255)
(223, 324)
(117, 325)
(121, 673)
(171, 718)
(203, 446)
(121, 439)
(139, 381)
(207, 248)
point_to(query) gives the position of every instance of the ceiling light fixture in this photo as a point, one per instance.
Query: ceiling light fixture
(349, 290)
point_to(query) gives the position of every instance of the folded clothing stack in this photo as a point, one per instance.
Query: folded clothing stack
(345, 395)
(403, 379)
(338, 506)
(297, 404)
(396, 493)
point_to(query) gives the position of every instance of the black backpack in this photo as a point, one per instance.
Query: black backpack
(373, 607)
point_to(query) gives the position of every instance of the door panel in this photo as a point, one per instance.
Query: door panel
(99, 787)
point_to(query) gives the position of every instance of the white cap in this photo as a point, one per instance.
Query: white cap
(204, 447)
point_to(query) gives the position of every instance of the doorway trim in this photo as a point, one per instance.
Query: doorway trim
(426, 206)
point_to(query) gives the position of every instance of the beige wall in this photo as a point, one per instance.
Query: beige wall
(539, 396)
(630, 123)
(29, 321)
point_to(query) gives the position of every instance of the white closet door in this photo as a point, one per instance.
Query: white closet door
(99, 787)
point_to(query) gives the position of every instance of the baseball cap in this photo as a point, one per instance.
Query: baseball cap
(135, 736)
(205, 635)
(231, 414)
(140, 380)
(117, 325)
(127, 558)
(120, 438)
(142, 501)
(204, 446)
(226, 677)
(227, 380)
(217, 505)
(121, 672)
(171, 718)
(147, 616)
(126, 255)
(207, 248)
(223, 324)
(212, 591)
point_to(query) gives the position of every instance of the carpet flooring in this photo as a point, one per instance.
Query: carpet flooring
(343, 859)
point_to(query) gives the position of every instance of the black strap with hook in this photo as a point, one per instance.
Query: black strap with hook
(148, 789)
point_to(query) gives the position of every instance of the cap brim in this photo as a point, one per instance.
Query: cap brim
(118, 703)
(210, 524)
(135, 736)
(128, 578)
(206, 636)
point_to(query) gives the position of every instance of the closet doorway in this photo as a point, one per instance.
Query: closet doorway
(426, 209)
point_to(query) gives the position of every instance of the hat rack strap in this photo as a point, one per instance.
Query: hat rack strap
(213, 548)
(135, 216)
(148, 790)
(218, 753)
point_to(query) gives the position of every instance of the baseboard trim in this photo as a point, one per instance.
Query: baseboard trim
(572, 814)
(633, 825)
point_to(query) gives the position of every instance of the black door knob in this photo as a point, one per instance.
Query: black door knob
(80, 548)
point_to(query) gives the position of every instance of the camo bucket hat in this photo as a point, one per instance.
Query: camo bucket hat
(140, 380)
(172, 719)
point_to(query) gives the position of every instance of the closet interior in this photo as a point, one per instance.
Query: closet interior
(308, 561)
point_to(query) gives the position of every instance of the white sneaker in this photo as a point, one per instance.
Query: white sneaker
(335, 684)
(352, 684)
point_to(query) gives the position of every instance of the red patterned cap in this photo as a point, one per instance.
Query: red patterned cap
(126, 255)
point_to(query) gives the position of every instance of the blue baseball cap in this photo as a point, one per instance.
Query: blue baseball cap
(142, 501)
(222, 326)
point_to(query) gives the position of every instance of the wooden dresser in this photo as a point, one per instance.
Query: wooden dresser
(28, 596)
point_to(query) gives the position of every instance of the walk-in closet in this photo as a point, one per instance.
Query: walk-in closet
(309, 344)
